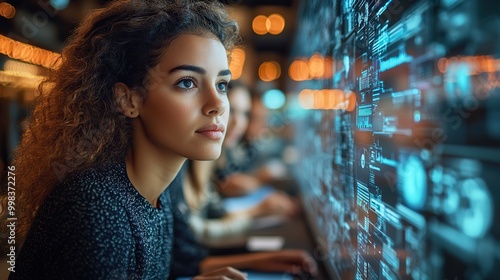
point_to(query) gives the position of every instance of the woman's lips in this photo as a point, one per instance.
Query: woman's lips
(212, 134)
(212, 131)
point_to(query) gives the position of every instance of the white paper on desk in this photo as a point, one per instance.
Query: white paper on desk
(265, 243)
(247, 201)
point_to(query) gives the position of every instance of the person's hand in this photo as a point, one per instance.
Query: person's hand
(277, 204)
(226, 273)
(291, 261)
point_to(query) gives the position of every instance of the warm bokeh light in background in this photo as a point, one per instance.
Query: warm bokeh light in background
(298, 71)
(274, 24)
(315, 67)
(7, 10)
(328, 64)
(477, 64)
(306, 99)
(237, 62)
(259, 25)
(18, 74)
(327, 99)
(21, 69)
(269, 71)
(27, 53)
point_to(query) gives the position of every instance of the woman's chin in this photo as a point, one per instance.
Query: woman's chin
(207, 157)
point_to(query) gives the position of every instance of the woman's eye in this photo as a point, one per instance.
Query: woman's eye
(222, 86)
(186, 84)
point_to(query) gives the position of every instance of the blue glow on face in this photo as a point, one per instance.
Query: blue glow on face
(274, 99)
(59, 4)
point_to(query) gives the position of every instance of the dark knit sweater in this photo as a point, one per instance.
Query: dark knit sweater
(96, 225)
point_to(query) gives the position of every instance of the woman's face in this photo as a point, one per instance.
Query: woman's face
(240, 101)
(186, 108)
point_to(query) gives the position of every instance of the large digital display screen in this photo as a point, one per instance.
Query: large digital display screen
(404, 181)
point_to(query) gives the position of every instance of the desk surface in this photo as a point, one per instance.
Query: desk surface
(295, 232)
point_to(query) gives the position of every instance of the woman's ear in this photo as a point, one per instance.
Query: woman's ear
(129, 101)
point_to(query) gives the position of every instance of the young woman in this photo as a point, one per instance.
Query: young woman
(140, 87)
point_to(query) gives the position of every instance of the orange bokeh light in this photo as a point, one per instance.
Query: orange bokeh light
(316, 66)
(269, 71)
(477, 64)
(306, 98)
(276, 24)
(328, 67)
(7, 10)
(27, 53)
(327, 99)
(260, 25)
(442, 64)
(237, 63)
(298, 70)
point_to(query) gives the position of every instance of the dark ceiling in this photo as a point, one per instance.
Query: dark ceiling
(41, 25)
(46, 27)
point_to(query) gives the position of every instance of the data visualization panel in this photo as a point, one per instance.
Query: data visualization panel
(403, 183)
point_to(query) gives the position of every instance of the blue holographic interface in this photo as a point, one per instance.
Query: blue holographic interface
(405, 183)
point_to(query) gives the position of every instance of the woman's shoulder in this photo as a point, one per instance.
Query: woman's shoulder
(85, 202)
(93, 186)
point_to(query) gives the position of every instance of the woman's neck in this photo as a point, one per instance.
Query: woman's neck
(151, 170)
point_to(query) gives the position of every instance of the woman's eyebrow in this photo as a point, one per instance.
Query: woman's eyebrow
(193, 68)
(197, 69)
(224, 73)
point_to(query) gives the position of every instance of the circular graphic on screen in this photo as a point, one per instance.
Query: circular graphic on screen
(475, 214)
(413, 182)
(363, 161)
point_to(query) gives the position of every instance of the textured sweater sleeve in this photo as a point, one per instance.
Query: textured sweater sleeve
(79, 233)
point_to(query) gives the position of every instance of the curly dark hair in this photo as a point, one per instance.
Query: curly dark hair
(77, 123)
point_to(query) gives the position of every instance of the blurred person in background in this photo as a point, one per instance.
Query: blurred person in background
(209, 219)
(204, 220)
(240, 170)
